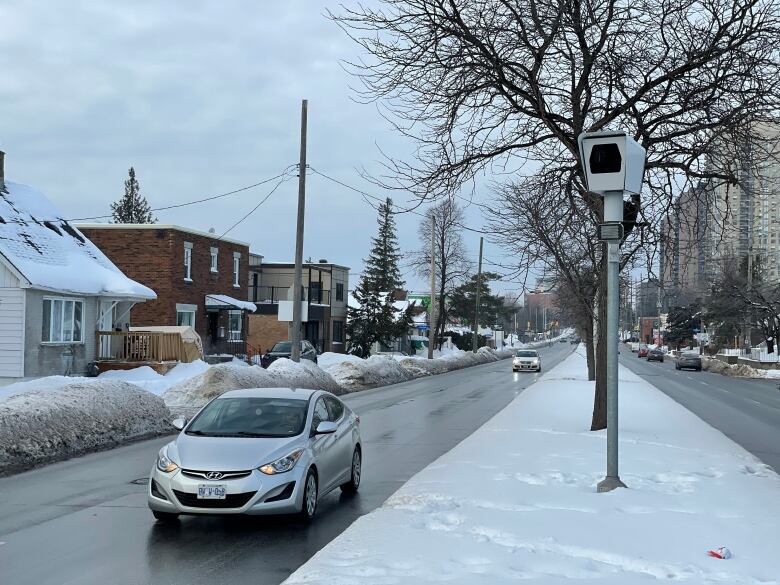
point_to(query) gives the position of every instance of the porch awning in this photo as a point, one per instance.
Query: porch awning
(223, 302)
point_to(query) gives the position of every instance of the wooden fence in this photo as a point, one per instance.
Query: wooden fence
(139, 346)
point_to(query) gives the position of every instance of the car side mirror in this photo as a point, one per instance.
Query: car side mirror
(179, 423)
(326, 427)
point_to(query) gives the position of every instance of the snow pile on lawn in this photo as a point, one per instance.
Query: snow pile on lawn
(186, 397)
(354, 373)
(736, 370)
(516, 501)
(47, 384)
(41, 426)
(148, 379)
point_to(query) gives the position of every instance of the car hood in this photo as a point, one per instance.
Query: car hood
(278, 354)
(229, 453)
(526, 359)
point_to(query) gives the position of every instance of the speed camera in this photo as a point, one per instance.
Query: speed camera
(613, 161)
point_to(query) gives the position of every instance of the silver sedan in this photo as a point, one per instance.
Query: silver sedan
(527, 359)
(258, 451)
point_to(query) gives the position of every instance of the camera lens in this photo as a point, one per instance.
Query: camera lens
(605, 158)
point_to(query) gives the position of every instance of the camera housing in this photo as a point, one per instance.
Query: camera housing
(613, 161)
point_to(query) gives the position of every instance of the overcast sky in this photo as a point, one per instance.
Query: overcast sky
(201, 98)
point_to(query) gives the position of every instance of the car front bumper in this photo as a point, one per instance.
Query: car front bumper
(246, 495)
(534, 367)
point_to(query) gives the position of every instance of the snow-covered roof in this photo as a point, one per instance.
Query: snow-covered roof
(52, 255)
(226, 301)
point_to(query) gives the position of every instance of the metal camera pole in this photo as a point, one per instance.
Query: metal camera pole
(613, 214)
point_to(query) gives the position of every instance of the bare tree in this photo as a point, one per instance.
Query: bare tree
(506, 86)
(452, 261)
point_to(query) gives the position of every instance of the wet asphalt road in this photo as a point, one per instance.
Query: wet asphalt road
(85, 521)
(747, 411)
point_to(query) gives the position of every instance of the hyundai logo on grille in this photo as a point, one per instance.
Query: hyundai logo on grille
(214, 475)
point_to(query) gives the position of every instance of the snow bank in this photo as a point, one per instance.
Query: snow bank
(736, 370)
(354, 373)
(47, 384)
(148, 379)
(186, 397)
(42, 426)
(516, 501)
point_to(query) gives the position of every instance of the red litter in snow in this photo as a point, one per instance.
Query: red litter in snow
(720, 553)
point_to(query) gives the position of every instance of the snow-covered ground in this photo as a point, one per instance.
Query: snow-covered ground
(516, 501)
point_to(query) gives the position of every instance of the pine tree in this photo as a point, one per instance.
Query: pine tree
(382, 271)
(132, 207)
(375, 319)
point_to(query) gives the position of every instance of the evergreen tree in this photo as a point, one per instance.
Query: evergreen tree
(382, 272)
(132, 207)
(374, 320)
(463, 301)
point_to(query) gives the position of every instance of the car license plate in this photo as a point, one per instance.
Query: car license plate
(212, 491)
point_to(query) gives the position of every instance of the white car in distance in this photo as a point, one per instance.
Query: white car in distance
(527, 360)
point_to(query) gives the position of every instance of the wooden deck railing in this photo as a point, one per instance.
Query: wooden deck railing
(139, 346)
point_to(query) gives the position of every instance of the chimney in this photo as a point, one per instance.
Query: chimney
(2, 171)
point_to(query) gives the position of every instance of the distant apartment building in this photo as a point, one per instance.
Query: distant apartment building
(685, 261)
(746, 216)
(200, 279)
(325, 287)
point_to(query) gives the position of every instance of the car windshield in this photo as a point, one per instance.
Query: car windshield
(690, 354)
(526, 354)
(282, 346)
(251, 417)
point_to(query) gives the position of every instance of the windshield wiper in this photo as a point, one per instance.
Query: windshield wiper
(260, 435)
(199, 433)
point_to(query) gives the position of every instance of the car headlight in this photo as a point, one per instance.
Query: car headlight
(282, 465)
(164, 463)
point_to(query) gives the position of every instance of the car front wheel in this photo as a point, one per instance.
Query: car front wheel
(353, 484)
(309, 504)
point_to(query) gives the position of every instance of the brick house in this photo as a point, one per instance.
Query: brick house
(200, 279)
(325, 290)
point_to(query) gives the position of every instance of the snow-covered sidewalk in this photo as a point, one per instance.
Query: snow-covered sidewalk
(516, 501)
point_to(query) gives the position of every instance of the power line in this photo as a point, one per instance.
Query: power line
(271, 192)
(175, 206)
(401, 210)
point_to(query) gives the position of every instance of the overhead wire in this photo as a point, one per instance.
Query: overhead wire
(255, 208)
(364, 194)
(284, 173)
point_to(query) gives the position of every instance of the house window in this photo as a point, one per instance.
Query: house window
(339, 291)
(185, 315)
(63, 321)
(235, 329)
(236, 265)
(188, 261)
(338, 332)
(214, 253)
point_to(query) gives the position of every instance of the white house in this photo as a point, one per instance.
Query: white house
(56, 289)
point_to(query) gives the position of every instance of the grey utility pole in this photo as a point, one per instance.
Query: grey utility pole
(295, 336)
(475, 336)
(613, 212)
(432, 306)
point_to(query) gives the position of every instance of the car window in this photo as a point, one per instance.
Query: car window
(526, 353)
(320, 413)
(335, 407)
(250, 416)
(282, 346)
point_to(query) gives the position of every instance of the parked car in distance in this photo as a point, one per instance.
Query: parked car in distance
(655, 355)
(258, 451)
(688, 360)
(527, 359)
(643, 351)
(574, 340)
(283, 349)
